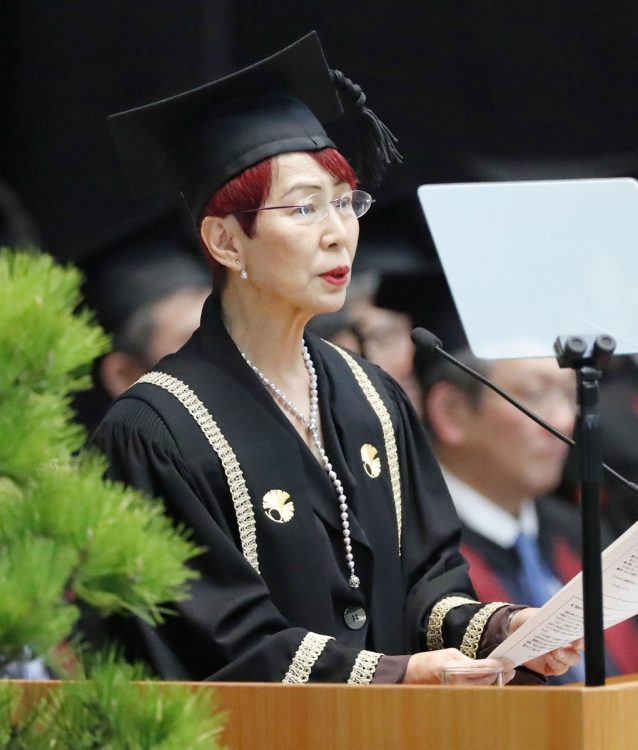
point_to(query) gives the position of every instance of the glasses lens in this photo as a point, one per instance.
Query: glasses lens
(311, 210)
(361, 202)
(315, 207)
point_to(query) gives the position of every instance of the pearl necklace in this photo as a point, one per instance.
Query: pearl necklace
(312, 426)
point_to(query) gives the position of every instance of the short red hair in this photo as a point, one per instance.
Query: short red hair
(250, 188)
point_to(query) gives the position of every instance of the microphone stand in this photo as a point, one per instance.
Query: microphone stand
(585, 355)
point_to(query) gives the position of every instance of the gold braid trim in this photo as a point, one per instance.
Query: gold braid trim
(303, 661)
(382, 413)
(476, 626)
(232, 469)
(434, 635)
(364, 667)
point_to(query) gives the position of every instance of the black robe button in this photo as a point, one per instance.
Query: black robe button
(355, 617)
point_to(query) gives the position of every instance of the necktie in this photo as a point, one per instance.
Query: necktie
(536, 580)
(538, 584)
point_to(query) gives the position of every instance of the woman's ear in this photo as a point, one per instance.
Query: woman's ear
(449, 412)
(221, 236)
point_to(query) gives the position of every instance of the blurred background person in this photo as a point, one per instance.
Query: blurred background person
(384, 334)
(17, 228)
(380, 334)
(338, 328)
(148, 294)
(619, 417)
(522, 542)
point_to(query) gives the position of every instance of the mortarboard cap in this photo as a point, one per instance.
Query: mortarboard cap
(196, 141)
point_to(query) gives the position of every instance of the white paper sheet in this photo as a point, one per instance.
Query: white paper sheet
(560, 621)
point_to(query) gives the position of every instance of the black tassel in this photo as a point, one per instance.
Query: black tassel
(376, 149)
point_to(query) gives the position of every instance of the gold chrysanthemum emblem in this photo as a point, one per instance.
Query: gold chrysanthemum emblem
(278, 506)
(371, 460)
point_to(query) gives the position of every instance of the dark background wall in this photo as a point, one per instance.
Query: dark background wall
(474, 90)
(70, 64)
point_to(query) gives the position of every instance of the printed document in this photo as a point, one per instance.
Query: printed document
(560, 621)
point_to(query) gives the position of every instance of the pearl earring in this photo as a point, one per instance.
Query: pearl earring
(243, 273)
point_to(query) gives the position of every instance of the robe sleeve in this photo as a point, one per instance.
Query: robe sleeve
(392, 669)
(442, 610)
(229, 628)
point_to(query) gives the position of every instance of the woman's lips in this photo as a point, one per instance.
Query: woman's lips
(337, 276)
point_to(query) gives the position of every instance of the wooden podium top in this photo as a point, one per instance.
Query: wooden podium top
(316, 717)
(265, 716)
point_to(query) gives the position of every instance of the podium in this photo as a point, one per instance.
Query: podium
(340, 717)
(317, 717)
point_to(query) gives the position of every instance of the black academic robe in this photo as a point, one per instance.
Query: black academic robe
(271, 599)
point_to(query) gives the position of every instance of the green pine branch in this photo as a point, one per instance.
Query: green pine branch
(46, 343)
(113, 708)
(68, 537)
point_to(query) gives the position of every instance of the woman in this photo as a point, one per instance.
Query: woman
(330, 539)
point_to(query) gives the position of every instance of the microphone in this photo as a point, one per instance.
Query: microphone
(431, 344)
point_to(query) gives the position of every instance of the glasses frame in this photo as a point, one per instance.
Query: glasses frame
(301, 205)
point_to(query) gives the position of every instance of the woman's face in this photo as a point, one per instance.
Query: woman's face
(302, 266)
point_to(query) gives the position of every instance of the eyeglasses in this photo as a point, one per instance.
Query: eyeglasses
(545, 398)
(350, 205)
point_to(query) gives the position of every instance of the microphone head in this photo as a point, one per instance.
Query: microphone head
(425, 340)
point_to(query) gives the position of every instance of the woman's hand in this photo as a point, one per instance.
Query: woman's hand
(555, 662)
(425, 668)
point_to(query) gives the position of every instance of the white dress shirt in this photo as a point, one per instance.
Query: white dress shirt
(487, 518)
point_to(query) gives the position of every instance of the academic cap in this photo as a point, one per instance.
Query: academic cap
(196, 141)
(138, 274)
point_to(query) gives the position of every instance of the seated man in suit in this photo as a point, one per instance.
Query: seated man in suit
(148, 294)
(522, 544)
